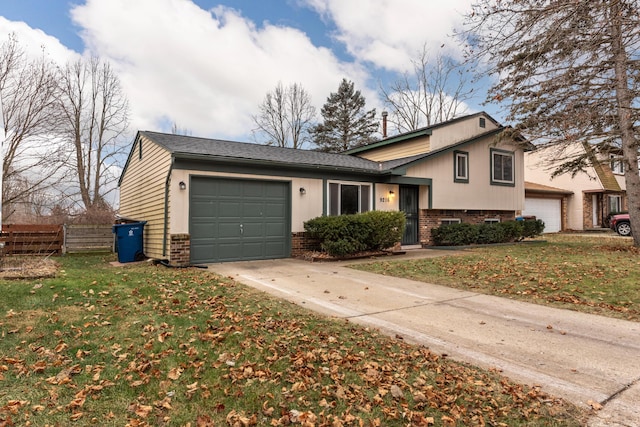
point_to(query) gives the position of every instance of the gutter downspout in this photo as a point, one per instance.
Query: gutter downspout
(166, 208)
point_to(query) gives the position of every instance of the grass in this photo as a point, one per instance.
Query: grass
(596, 275)
(146, 345)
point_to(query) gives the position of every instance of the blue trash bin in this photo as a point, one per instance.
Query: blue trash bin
(129, 241)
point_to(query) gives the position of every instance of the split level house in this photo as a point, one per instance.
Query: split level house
(208, 200)
(574, 202)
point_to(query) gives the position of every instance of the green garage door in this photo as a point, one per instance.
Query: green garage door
(233, 220)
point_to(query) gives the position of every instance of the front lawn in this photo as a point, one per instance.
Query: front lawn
(597, 274)
(147, 345)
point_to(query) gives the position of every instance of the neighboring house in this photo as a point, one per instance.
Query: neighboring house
(208, 200)
(573, 202)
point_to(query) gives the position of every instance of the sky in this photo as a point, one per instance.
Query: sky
(207, 65)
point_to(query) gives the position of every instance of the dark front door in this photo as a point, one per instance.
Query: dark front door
(409, 205)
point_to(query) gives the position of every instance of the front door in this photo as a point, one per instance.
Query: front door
(409, 205)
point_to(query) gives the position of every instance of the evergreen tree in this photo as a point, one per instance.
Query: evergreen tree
(346, 123)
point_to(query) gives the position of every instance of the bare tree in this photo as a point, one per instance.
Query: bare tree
(286, 116)
(31, 151)
(569, 72)
(435, 92)
(96, 113)
(177, 130)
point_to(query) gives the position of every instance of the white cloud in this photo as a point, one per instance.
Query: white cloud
(389, 33)
(33, 41)
(206, 70)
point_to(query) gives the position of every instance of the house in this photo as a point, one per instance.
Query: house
(573, 202)
(209, 200)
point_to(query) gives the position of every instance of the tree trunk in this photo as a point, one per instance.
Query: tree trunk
(628, 140)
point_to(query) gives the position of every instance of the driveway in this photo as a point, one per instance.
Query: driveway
(580, 357)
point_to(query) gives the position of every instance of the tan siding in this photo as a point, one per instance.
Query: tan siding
(303, 207)
(398, 150)
(142, 192)
(478, 194)
(459, 131)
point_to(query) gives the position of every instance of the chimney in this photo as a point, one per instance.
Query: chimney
(384, 124)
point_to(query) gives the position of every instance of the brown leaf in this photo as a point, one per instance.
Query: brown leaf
(77, 416)
(396, 392)
(175, 373)
(204, 421)
(594, 405)
(239, 419)
(141, 411)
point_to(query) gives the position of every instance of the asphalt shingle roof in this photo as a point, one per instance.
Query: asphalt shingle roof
(181, 145)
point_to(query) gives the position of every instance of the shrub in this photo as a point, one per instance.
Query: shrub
(349, 234)
(500, 232)
(455, 234)
(490, 233)
(512, 231)
(385, 228)
(532, 228)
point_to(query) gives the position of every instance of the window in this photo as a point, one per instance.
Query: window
(349, 198)
(483, 122)
(502, 167)
(461, 166)
(140, 149)
(449, 221)
(491, 220)
(616, 164)
(615, 204)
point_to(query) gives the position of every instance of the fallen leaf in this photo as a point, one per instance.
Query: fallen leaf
(396, 392)
(594, 405)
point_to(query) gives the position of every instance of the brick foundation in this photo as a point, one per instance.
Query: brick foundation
(180, 250)
(300, 244)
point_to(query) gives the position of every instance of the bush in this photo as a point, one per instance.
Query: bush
(349, 234)
(490, 233)
(455, 234)
(385, 229)
(532, 228)
(500, 232)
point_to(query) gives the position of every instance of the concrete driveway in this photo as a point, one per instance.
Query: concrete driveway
(580, 357)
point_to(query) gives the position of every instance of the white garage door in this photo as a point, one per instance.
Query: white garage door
(548, 210)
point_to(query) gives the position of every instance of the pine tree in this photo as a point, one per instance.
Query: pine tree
(346, 123)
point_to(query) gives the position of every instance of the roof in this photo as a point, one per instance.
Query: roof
(189, 147)
(539, 188)
(603, 170)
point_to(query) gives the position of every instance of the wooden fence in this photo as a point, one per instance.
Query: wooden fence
(32, 239)
(88, 238)
(39, 239)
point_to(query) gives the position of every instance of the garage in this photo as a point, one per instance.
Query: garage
(548, 210)
(236, 219)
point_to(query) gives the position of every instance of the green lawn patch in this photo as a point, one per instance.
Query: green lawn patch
(596, 275)
(147, 345)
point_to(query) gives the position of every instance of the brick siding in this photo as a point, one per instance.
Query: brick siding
(301, 243)
(180, 251)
